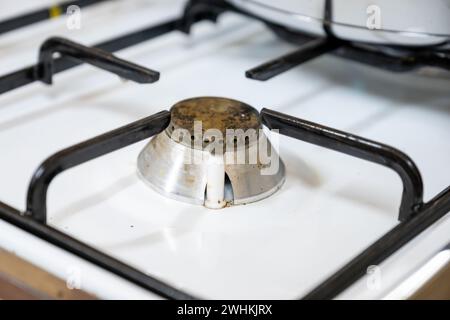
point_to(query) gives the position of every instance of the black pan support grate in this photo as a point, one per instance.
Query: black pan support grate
(415, 216)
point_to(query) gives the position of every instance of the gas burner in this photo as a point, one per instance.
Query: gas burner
(212, 178)
(213, 153)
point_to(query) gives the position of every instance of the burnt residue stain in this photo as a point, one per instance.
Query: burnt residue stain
(214, 113)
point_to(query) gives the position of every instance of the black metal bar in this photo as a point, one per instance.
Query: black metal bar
(384, 247)
(136, 37)
(94, 56)
(198, 10)
(17, 79)
(42, 14)
(27, 75)
(306, 52)
(90, 254)
(394, 60)
(85, 151)
(328, 18)
(122, 42)
(412, 196)
(312, 49)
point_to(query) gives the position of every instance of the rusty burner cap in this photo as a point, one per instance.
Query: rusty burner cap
(213, 113)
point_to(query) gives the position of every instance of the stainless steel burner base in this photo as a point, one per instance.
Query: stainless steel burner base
(198, 176)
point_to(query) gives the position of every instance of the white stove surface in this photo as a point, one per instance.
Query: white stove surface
(331, 207)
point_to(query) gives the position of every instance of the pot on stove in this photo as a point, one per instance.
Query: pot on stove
(410, 23)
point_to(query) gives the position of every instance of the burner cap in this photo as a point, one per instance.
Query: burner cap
(214, 113)
(211, 113)
(210, 154)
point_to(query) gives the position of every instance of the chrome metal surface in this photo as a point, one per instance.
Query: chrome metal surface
(188, 171)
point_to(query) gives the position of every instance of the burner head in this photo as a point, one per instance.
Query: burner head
(197, 117)
(214, 113)
(213, 153)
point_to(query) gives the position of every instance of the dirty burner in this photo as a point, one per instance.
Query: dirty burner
(213, 153)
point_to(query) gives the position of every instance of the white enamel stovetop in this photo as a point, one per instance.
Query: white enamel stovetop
(331, 207)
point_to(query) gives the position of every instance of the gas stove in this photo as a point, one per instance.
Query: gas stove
(96, 188)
